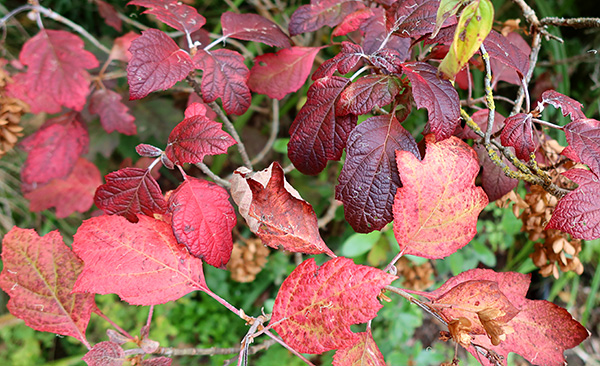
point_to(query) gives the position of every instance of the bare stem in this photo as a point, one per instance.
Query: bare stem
(118, 328)
(329, 214)
(212, 351)
(273, 135)
(572, 22)
(206, 170)
(417, 302)
(489, 95)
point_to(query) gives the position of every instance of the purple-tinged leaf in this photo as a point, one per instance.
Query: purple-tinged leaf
(114, 115)
(414, 18)
(308, 18)
(583, 137)
(369, 178)
(173, 13)
(389, 61)
(493, 180)
(253, 27)
(352, 22)
(569, 106)
(510, 52)
(368, 92)
(376, 31)
(105, 354)
(349, 56)
(480, 117)
(518, 133)
(148, 151)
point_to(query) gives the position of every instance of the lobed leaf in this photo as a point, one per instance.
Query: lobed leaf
(518, 133)
(312, 17)
(583, 137)
(114, 115)
(253, 27)
(349, 56)
(569, 106)
(173, 13)
(364, 352)
(366, 93)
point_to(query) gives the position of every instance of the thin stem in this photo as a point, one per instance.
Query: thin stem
(272, 137)
(489, 95)
(546, 123)
(14, 12)
(212, 351)
(118, 328)
(417, 302)
(215, 42)
(206, 170)
(273, 336)
(360, 71)
(223, 302)
(391, 267)
(572, 22)
(150, 312)
(330, 214)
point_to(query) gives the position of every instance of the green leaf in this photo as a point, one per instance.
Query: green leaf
(447, 9)
(359, 244)
(474, 24)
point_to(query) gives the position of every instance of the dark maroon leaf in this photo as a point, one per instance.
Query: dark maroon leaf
(105, 354)
(173, 13)
(317, 134)
(435, 94)
(195, 137)
(156, 63)
(480, 117)
(583, 137)
(578, 213)
(568, 106)
(253, 27)
(352, 22)
(518, 133)
(224, 76)
(493, 180)
(110, 15)
(167, 162)
(130, 191)
(368, 92)
(114, 115)
(414, 18)
(509, 56)
(148, 151)
(369, 178)
(389, 61)
(350, 54)
(308, 18)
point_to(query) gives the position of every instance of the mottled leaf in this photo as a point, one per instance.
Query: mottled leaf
(157, 361)
(569, 106)
(253, 27)
(308, 18)
(349, 56)
(518, 133)
(362, 353)
(114, 115)
(366, 93)
(173, 13)
(105, 354)
(583, 137)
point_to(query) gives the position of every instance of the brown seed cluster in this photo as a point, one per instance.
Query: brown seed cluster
(416, 277)
(11, 110)
(247, 260)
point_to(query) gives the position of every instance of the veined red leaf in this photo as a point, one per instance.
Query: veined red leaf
(105, 354)
(493, 180)
(352, 22)
(414, 18)
(173, 13)
(156, 63)
(157, 361)
(114, 115)
(376, 30)
(349, 56)
(203, 219)
(578, 212)
(110, 15)
(583, 137)
(569, 106)
(75, 193)
(128, 192)
(54, 150)
(56, 75)
(281, 73)
(508, 51)
(369, 177)
(366, 93)
(317, 134)
(141, 262)
(518, 133)
(224, 76)
(253, 27)
(308, 18)
(148, 151)
(364, 353)
(387, 60)
(436, 209)
(196, 106)
(38, 275)
(437, 95)
(315, 305)
(195, 137)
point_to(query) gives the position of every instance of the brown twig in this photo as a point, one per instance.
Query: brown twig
(272, 136)
(571, 22)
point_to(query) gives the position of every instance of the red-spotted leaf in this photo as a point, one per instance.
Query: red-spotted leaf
(156, 63)
(569, 106)
(203, 219)
(110, 15)
(114, 115)
(224, 76)
(308, 18)
(436, 209)
(148, 151)
(518, 133)
(352, 22)
(38, 275)
(253, 27)
(56, 72)
(349, 56)
(583, 137)
(120, 49)
(493, 180)
(195, 137)
(75, 193)
(105, 354)
(368, 92)
(369, 177)
(173, 13)
(316, 306)
(437, 95)
(129, 192)
(317, 134)
(141, 262)
(54, 150)
(364, 353)
(578, 213)
(414, 18)
(284, 220)
(281, 73)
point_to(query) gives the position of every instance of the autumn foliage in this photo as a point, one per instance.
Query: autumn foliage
(393, 58)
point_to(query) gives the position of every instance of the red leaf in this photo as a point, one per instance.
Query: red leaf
(156, 63)
(75, 193)
(253, 27)
(54, 150)
(512, 52)
(113, 113)
(436, 209)
(315, 306)
(38, 275)
(349, 56)
(56, 75)
(203, 219)
(481, 118)
(173, 13)
(376, 31)
(352, 22)
(414, 18)
(583, 137)
(195, 137)
(142, 262)
(435, 94)
(224, 76)
(148, 151)
(157, 361)
(578, 212)
(368, 92)
(369, 177)
(569, 106)
(109, 14)
(308, 18)
(105, 354)
(199, 109)
(317, 134)
(518, 133)
(387, 60)
(128, 192)
(281, 73)
(493, 180)
(364, 353)
(120, 49)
